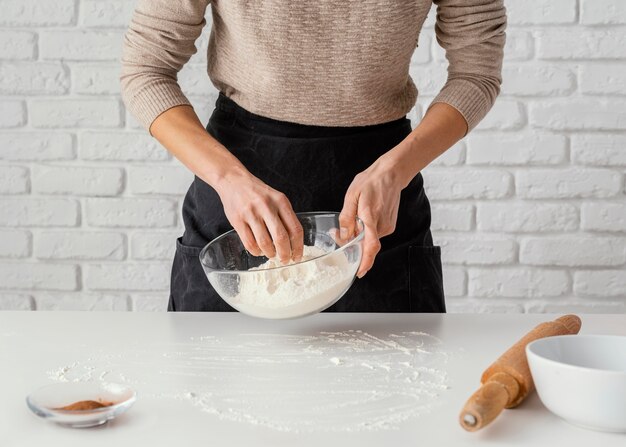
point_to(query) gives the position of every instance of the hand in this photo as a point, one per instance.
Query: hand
(257, 211)
(373, 196)
(262, 217)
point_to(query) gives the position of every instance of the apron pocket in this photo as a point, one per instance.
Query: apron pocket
(426, 279)
(190, 289)
(187, 249)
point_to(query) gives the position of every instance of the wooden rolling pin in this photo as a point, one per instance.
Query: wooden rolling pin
(507, 382)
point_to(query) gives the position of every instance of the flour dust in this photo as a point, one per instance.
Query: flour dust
(332, 381)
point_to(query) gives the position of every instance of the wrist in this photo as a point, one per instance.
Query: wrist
(221, 169)
(399, 164)
(226, 177)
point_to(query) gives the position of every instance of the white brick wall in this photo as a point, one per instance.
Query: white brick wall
(530, 209)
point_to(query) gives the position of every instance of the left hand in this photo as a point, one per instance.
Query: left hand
(373, 196)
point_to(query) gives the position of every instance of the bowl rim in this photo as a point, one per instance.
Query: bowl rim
(529, 351)
(34, 405)
(358, 238)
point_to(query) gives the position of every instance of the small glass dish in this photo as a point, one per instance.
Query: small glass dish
(48, 400)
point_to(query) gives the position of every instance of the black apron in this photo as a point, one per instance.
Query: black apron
(313, 166)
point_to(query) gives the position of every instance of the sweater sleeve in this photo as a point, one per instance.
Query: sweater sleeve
(472, 34)
(158, 42)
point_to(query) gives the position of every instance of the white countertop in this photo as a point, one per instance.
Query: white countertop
(265, 366)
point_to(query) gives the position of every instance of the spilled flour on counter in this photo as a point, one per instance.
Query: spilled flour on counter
(341, 381)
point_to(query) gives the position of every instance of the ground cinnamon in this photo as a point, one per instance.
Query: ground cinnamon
(85, 405)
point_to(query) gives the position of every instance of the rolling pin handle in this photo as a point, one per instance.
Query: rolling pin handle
(488, 402)
(469, 420)
(571, 322)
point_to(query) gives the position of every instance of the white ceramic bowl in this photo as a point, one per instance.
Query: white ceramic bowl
(582, 378)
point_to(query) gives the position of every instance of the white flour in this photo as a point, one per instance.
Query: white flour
(299, 290)
(340, 381)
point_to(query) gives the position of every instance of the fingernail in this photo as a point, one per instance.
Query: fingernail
(343, 233)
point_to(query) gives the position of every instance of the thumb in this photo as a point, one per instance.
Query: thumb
(347, 217)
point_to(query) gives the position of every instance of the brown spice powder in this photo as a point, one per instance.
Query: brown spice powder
(85, 405)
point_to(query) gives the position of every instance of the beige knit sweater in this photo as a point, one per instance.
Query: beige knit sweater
(318, 62)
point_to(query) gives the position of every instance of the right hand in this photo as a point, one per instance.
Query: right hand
(262, 217)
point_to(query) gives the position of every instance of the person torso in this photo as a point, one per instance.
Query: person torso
(345, 62)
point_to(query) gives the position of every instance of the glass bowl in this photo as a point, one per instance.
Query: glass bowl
(286, 291)
(47, 401)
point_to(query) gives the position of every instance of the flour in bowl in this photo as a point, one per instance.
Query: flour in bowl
(303, 288)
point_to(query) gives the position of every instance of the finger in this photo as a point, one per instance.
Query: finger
(385, 227)
(387, 223)
(280, 236)
(262, 237)
(371, 247)
(347, 217)
(294, 228)
(336, 236)
(247, 238)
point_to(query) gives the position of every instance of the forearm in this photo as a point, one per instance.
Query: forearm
(441, 127)
(179, 130)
